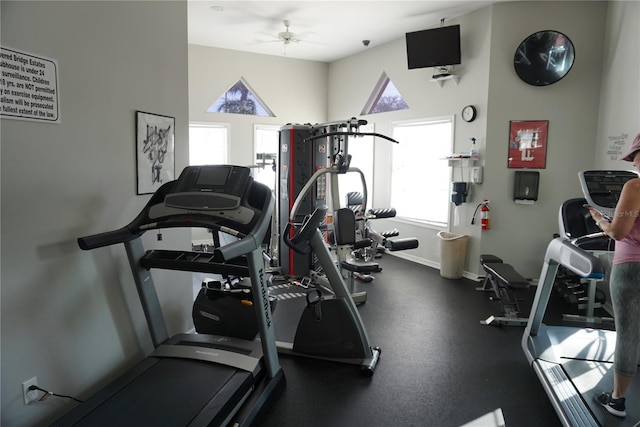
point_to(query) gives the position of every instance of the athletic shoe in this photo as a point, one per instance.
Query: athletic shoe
(614, 406)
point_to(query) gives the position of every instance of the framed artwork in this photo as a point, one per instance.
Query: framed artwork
(154, 151)
(528, 144)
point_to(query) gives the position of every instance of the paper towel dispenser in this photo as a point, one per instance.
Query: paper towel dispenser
(525, 187)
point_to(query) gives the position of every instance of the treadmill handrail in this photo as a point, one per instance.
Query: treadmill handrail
(246, 243)
(576, 259)
(107, 238)
(560, 251)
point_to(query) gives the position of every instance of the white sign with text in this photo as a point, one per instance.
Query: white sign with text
(28, 87)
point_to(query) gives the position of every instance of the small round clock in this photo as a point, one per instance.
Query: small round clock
(469, 113)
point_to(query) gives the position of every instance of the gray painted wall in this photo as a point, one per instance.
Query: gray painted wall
(521, 233)
(295, 90)
(351, 81)
(490, 36)
(619, 112)
(72, 318)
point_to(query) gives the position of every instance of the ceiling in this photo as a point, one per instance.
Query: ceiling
(327, 30)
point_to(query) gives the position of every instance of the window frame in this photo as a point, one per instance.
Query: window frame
(416, 122)
(218, 125)
(257, 127)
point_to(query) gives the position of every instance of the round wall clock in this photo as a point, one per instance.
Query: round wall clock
(469, 113)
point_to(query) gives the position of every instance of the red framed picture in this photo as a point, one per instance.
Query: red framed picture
(528, 144)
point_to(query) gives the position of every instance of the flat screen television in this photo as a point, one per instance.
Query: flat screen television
(436, 47)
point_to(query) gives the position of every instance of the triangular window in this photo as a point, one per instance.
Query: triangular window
(385, 97)
(240, 99)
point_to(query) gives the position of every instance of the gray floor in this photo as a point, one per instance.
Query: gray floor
(439, 365)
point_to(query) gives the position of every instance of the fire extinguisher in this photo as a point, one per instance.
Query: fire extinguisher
(485, 221)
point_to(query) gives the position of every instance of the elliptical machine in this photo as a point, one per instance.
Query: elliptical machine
(330, 326)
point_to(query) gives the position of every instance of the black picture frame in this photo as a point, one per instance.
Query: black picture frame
(155, 151)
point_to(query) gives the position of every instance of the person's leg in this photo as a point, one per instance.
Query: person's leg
(620, 385)
(625, 297)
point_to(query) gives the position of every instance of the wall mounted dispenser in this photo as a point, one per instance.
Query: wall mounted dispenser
(525, 187)
(459, 193)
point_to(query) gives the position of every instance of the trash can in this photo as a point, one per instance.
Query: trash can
(453, 250)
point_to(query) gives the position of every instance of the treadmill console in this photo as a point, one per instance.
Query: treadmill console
(217, 187)
(602, 188)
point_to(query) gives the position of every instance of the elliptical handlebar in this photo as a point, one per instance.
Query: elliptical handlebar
(301, 240)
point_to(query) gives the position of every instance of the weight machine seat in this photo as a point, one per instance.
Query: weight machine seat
(359, 266)
(354, 201)
(486, 259)
(344, 221)
(504, 274)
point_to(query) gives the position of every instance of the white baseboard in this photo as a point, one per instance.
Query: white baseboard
(431, 264)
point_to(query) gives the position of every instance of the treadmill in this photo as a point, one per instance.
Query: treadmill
(573, 363)
(195, 379)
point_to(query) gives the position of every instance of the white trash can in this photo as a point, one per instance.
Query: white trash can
(453, 250)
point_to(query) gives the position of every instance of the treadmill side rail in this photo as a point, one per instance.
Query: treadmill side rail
(564, 396)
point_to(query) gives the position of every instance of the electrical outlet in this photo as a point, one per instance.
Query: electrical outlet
(29, 395)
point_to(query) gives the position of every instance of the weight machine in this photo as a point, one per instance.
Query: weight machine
(380, 240)
(311, 159)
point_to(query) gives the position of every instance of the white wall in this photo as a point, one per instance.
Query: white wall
(521, 233)
(295, 90)
(490, 37)
(72, 318)
(619, 113)
(351, 81)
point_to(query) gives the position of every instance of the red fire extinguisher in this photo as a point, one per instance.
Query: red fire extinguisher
(485, 221)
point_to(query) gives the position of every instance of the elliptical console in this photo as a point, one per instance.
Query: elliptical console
(602, 188)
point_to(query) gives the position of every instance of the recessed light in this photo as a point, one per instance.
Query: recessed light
(217, 8)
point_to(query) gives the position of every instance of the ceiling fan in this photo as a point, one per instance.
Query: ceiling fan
(286, 36)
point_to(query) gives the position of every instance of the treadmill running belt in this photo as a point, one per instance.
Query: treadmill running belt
(171, 392)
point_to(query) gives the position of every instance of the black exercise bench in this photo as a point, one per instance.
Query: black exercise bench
(504, 281)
